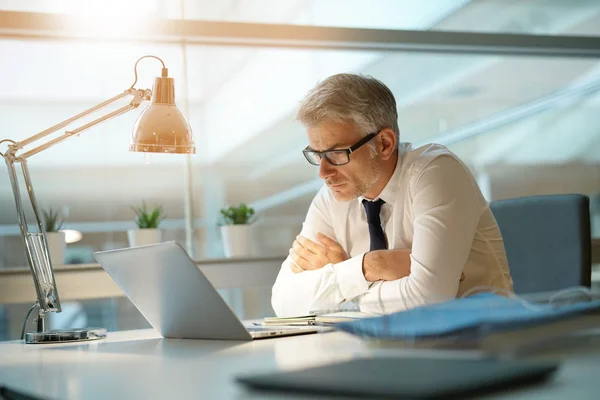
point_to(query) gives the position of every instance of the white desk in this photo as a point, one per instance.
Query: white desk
(140, 365)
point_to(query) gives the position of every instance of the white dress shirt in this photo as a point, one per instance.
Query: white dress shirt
(433, 206)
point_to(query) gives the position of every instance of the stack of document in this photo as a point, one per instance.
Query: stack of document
(318, 319)
(485, 321)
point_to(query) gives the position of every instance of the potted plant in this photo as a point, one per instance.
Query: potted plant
(235, 230)
(56, 239)
(147, 221)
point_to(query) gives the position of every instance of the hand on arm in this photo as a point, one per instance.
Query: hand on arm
(308, 255)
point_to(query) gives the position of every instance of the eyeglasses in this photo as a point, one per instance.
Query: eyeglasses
(335, 157)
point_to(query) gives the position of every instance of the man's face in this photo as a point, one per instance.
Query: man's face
(346, 182)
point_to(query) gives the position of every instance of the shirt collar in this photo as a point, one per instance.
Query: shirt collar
(389, 192)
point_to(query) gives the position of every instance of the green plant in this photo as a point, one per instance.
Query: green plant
(148, 219)
(239, 215)
(52, 220)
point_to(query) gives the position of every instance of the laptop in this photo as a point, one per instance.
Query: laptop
(176, 298)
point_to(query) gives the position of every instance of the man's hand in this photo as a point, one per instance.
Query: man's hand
(388, 265)
(309, 255)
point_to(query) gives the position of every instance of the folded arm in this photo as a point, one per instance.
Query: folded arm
(446, 210)
(315, 283)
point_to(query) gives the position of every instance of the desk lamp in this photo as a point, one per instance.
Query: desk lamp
(161, 128)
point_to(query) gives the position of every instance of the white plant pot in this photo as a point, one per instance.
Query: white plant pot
(141, 237)
(237, 240)
(57, 247)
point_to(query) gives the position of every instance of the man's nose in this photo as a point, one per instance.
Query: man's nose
(325, 169)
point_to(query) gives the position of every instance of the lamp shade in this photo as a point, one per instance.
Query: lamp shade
(162, 128)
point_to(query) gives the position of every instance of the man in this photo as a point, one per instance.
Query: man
(394, 227)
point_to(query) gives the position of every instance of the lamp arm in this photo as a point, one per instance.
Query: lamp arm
(138, 97)
(36, 244)
(44, 133)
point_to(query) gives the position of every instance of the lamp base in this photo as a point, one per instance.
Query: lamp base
(65, 335)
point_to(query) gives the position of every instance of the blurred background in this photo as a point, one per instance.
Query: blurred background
(524, 125)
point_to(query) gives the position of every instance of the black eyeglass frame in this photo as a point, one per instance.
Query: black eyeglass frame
(348, 151)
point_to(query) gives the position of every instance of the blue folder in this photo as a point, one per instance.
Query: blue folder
(475, 315)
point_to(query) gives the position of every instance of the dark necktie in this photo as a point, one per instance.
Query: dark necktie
(376, 234)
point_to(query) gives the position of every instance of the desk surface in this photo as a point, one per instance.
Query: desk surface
(141, 365)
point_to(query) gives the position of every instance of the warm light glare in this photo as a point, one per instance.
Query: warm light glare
(110, 8)
(89, 27)
(125, 17)
(72, 236)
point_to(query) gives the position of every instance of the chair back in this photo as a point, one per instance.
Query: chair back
(547, 241)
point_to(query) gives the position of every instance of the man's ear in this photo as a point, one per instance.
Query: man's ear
(387, 141)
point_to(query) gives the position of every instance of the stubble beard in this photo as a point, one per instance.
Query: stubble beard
(367, 180)
(371, 176)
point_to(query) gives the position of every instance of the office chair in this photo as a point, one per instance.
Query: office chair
(547, 241)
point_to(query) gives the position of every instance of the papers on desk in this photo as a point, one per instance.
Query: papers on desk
(485, 321)
(318, 319)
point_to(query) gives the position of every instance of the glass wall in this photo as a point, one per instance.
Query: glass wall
(92, 179)
(240, 102)
(525, 125)
(498, 113)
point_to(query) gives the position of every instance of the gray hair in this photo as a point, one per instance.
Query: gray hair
(343, 98)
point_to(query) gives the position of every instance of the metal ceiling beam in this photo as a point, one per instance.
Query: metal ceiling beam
(545, 103)
(27, 25)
